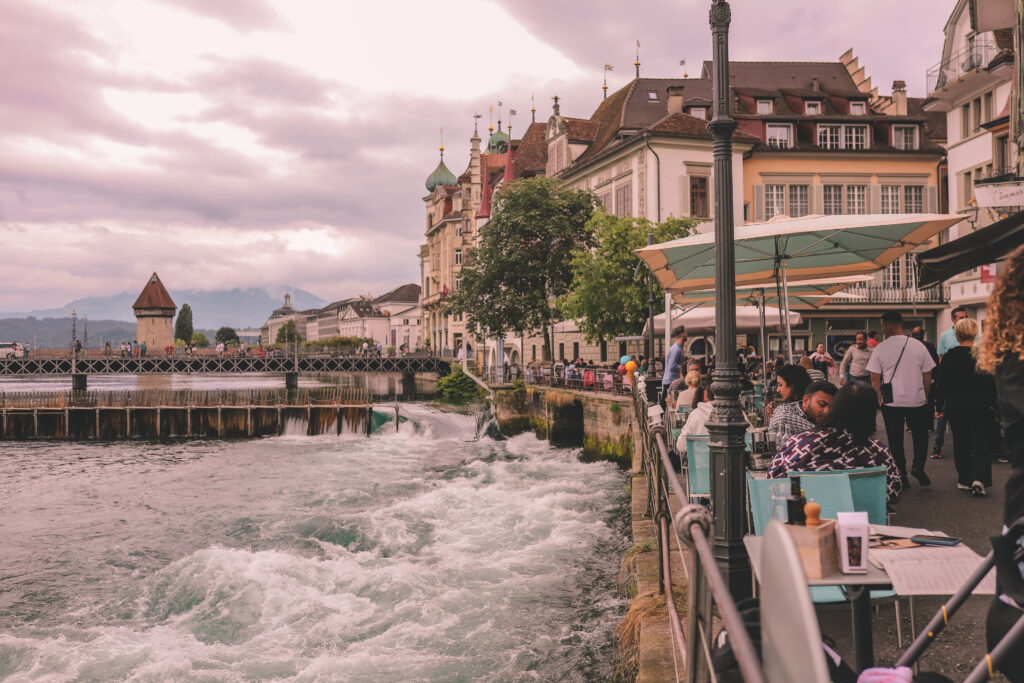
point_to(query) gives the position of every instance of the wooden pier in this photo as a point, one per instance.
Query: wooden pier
(183, 414)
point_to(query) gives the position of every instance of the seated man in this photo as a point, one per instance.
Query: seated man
(843, 441)
(799, 416)
(696, 422)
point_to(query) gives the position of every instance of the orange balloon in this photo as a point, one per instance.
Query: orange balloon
(631, 367)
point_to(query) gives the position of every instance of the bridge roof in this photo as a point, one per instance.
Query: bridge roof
(154, 295)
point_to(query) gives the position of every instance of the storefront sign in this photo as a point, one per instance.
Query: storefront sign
(988, 273)
(1002, 194)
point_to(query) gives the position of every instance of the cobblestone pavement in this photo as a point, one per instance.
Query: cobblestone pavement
(940, 506)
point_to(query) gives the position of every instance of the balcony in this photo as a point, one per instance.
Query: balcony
(968, 59)
(877, 294)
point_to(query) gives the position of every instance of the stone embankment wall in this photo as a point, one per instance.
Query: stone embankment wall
(600, 424)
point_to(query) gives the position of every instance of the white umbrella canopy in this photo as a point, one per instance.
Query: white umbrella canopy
(807, 248)
(804, 295)
(701, 319)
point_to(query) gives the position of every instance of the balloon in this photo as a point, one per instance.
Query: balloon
(622, 369)
(624, 360)
(631, 367)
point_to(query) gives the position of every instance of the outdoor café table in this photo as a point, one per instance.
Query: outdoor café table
(858, 587)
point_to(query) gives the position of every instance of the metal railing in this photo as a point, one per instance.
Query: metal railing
(967, 59)
(602, 380)
(877, 294)
(690, 526)
(38, 365)
(153, 398)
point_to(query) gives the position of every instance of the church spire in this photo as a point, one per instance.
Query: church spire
(637, 62)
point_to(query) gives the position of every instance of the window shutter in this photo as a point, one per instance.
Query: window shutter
(817, 199)
(684, 196)
(758, 203)
(874, 198)
(931, 199)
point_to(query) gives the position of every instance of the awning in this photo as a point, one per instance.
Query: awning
(701, 320)
(983, 246)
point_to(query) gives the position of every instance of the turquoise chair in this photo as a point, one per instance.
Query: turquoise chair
(699, 458)
(869, 486)
(698, 455)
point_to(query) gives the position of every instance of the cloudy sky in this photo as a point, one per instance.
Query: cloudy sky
(244, 143)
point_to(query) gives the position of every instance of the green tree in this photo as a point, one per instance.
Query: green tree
(287, 333)
(606, 299)
(227, 335)
(200, 340)
(183, 325)
(523, 262)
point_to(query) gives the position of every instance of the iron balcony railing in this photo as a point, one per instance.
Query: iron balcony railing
(971, 58)
(1006, 174)
(879, 294)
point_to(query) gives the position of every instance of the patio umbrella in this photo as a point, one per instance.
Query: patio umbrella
(804, 294)
(793, 249)
(700, 319)
(987, 245)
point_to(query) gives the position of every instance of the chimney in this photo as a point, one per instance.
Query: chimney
(899, 98)
(675, 99)
(815, 84)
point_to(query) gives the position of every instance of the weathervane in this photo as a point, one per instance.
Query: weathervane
(607, 68)
(476, 118)
(637, 62)
(682, 63)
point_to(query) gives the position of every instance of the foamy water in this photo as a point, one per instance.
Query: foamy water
(426, 554)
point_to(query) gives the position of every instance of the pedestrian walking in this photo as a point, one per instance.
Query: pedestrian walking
(674, 360)
(854, 366)
(947, 341)
(901, 373)
(1002, 351)
(967, 399)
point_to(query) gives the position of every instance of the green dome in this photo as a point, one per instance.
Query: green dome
(498, 142)
(441, 176)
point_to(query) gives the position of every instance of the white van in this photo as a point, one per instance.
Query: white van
(11, 350)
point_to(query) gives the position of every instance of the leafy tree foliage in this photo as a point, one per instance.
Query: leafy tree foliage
(183, 325)
(457, 387)
(227, 335)
(605, 298)
(200, 340)
(523, 262)
(287, 333)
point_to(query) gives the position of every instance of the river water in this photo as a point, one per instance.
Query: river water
(422, 554)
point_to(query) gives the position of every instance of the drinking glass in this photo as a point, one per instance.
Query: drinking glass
(780, 495)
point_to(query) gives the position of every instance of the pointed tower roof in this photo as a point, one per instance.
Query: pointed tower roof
(154, 295)
(441, 176)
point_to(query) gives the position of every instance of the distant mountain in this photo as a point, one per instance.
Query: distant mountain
(237, 308)
(55, 333)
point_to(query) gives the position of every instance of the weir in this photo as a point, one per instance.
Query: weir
(182, 414)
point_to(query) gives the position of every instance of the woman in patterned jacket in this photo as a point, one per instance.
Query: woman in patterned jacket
(843, 443)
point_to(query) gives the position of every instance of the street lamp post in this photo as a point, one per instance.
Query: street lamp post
(726, 425)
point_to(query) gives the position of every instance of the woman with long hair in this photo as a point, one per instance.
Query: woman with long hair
(967, 398)
(1002, 351)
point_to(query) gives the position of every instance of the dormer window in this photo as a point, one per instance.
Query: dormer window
(765, 107)
(858, 108)
(698, 112)
(904, 137)
(778, 136)
(812, 108)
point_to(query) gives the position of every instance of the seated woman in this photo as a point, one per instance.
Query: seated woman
(843, 443)
(789, 417)
(678, 396)
(696, 422)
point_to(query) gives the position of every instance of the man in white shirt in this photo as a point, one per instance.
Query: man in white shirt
(904, 364)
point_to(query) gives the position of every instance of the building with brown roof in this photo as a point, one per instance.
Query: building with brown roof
(645, 151)
(154, 310)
